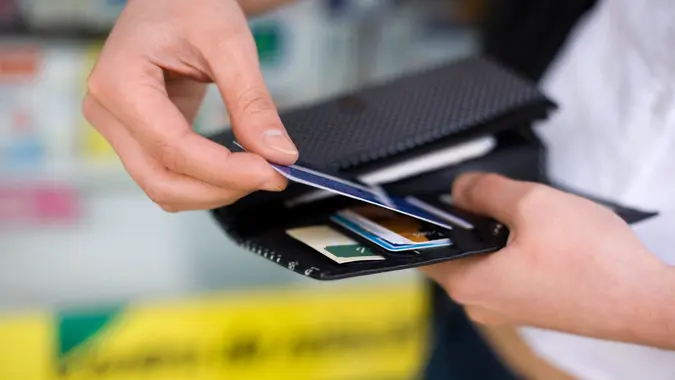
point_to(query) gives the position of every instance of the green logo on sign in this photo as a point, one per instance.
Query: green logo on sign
(77, 329)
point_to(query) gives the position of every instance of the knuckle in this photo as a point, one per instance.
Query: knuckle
(486, 181)
(258, 166)
(170, 154)
(263, 174)
(231, 41)
(159, 194)
(477, 186)
(534, 198)
(258, 172)
(254, 100)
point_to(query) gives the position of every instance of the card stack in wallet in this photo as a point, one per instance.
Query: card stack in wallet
(404, 120)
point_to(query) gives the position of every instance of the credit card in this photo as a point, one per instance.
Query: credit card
(339, 186)
(375, 239)
(395, 227)
(446, 215)
(349, 189)
(333, 244)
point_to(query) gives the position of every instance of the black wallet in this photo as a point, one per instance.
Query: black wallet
(385, 124)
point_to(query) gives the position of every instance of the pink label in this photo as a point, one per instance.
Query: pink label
(39, 204)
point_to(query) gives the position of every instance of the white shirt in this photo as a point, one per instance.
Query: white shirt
(614, 136)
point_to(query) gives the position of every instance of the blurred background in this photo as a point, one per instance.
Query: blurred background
(97, 282)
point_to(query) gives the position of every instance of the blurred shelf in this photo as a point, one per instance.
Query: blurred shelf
(84, 176)
(20, 31)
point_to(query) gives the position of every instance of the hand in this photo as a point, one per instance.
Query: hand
(147, 86)
(570, 265)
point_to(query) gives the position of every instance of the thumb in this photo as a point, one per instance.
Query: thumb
(490, 195)
(253, 114)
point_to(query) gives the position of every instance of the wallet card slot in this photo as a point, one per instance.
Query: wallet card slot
(284, 250)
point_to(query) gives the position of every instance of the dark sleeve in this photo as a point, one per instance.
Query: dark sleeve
(526, 35)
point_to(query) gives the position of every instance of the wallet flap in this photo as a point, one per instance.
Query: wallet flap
(469, 97)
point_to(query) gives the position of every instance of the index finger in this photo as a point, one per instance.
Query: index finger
(233, 63)
(145, 109)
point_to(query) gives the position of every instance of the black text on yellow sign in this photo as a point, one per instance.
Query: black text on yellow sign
(365, 332)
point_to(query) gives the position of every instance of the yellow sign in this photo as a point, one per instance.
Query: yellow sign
(353, 333)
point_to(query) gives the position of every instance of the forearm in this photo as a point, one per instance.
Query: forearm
(654, 324)
(257, 7)
(633, 305)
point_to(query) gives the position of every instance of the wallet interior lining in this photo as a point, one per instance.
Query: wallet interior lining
(264, 232)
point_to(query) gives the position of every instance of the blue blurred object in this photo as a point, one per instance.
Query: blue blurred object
(459, 352)
(25, 153)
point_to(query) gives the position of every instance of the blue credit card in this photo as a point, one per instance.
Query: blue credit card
(381, 241)
(326, 182)
(353, 190)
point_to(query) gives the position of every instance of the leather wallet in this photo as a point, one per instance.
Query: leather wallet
(384, 124)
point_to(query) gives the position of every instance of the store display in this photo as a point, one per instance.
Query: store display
(38, 204)
(21, 141)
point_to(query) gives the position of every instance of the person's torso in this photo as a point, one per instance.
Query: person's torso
(614, 136)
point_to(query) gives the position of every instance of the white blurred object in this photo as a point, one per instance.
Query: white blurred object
(96, 15)
(101, 14)
(437, 159)
(614, 136)
(44, 14)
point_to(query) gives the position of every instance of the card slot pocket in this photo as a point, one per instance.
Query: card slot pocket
(389, 255)
(284, 250)
(294, 255)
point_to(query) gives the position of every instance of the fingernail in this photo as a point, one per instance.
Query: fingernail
(274, 186)
(278, 140)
